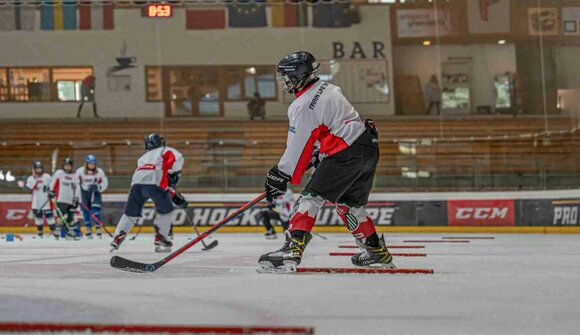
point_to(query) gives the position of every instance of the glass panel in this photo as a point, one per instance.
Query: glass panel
(29, 84)
(267, 85)
(154, 84)
(234, 84)
(3, 84)
(180, 91)
(250, 85)
(66, 91)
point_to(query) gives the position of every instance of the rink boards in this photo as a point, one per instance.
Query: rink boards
(407, 212)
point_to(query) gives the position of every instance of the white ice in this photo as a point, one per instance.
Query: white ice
(515, 284)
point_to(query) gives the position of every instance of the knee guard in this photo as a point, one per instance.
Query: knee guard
(305, 212)
(357, 220)
(163, 223)
(49, 216)
(125, 224)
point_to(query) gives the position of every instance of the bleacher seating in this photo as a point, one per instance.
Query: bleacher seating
(249, 148)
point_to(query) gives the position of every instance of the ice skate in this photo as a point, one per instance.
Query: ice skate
(270, 234)
(89, 235)
(374, 256)
(117, 240)
(287, 258)
(162, 244)
(99, 232)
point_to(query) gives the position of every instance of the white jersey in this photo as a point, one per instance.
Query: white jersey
(66, 186)
(39, 186)
(319, 115)
(88, 178)
(284, 205)
(154, 166)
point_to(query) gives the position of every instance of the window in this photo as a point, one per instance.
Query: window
(260, 79)
(41, 84)
(234, 84)
(154, 83)
(29, 84)
(3, 84)
(69, 81)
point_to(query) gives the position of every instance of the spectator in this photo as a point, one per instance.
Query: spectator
(257, 107)
(88, 94)
(433, 94)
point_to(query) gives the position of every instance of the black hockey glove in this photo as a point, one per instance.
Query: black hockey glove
(173, 178)
(276, 183)
(179, 201)
(315, 159)
(75, 203)
(51, 195)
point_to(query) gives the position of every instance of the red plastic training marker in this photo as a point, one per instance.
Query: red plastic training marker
(364, 271)
(468, 238)
(388, 246)
(14, 327)
(437, 241)
(394, 255)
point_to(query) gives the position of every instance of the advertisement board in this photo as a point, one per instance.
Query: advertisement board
(481, 213)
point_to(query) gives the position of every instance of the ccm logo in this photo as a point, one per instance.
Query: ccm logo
(482, 213)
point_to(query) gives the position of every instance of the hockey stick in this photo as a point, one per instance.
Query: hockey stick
(319, 235)
(132, 266)
(64, 222)
(206, 247)
(138, 232)
(94, 216)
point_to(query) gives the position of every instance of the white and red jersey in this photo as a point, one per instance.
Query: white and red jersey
(88, 178)
(320, 114)
(66, 187)
(284, 205)
(154, 166)
(39, 186)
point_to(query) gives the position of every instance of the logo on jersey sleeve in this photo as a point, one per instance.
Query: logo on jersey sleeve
(292, 130)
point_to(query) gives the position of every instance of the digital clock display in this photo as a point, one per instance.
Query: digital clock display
(159, 11)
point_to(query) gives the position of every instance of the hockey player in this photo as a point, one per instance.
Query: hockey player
(155, 178)
(321, 115)
(39, 184)
(93, 182)
(278, 209)
(65, 190)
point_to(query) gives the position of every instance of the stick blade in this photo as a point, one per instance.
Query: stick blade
(124, 264)
(210, 246)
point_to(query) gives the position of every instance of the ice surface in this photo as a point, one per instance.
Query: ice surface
(514, 284)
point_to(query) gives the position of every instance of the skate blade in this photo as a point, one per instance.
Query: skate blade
(381, 266)
(268, 267)
(271, 237)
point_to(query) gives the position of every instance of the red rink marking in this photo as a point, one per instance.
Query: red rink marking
(437, 241)
(150, 329)
(468, 238)
(364, 271)
(394, 255)
(388, 246)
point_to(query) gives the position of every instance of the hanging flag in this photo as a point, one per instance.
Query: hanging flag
(292, 14)
(247, 14)
(58, 15)
(17, 15)
(96, 16)
(326, 14)
(203, 19)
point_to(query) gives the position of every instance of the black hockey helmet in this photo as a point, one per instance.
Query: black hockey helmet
(68, 161)
(297, 70)
(153, 141)
(37, 165)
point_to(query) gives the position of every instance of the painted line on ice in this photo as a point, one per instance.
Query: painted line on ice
(436, 241)
(394, 255)
(14, 327)
(468, 238)
(364, 271)
(388, 246)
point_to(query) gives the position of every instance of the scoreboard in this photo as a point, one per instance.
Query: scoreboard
(159, 11)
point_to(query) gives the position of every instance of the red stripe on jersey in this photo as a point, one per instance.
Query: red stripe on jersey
(168, 161)
(330, 144)
(305, 89)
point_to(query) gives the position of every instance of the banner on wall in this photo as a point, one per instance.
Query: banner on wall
(548, 212)
(481, 213)
(488, 16)
(543, 21)
(400, 213)
(423, 23)
(571, 20)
